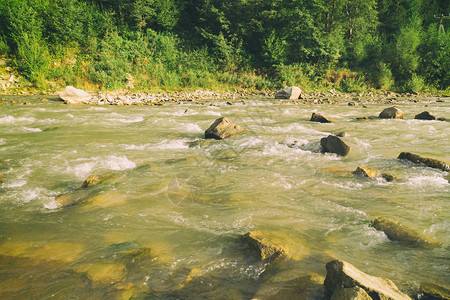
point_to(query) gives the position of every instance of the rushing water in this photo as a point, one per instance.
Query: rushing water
(189, 199)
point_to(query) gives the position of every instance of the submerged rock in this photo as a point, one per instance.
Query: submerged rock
(267, 246)
(1, 177)
(366, 118)
(397, 232)
(222, 128)
(430, 162)
(319, 118)
(303, 287)
(74, 197)
(92, 180)
(333, 144)
(291, 93)
(425, 116)
(430, 291)
(102, 272)
(343, 275)
(391, 113)
(71, 95)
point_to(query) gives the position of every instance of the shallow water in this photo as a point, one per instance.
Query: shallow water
(189, 199)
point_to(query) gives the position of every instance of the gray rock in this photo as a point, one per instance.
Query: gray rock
(333, 144)
(342, 275)
(430, 162)
(391, 113)
(291, 93)
(319, 118)
(71, 95)
(222, 128)
(425, 116)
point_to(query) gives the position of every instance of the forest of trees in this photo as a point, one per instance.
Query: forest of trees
(348, 45)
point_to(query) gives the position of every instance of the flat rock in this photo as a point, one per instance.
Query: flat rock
(74, 197)
(343, 275)
(71, 95)
(391, 113)
(430, 162)
(425, 116)
(222, 128)
(291, 93)
(102, 272)
(333, 144)
(319, 118)
(397, 232)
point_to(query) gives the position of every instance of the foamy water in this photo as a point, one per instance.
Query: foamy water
(189, 199)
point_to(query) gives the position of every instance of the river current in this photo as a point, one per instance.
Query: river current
(167, 224)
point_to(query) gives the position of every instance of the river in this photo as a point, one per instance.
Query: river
(187, 200)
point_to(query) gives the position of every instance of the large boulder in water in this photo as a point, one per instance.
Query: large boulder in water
(319, 118)
(71, 95)
(391, 113)
(222, 128)
(333, 144)
(291, 93)
(343, 275)
(430, 162)
(425, 116)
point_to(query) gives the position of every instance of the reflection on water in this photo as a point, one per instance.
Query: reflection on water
(166, 222)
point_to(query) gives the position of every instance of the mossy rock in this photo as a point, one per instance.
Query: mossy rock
(103, 272)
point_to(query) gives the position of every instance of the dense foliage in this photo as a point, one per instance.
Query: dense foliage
(349, 45)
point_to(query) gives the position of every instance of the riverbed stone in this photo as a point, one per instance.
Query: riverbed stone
(222, 128)
(334, 144)
(103, 272)
(266, 245)
(343, 275)
(397, 232)
(292, 93)
(72, 95)
(430, 291)
(430, 162)
(316, 117)
(365, 171)
(391, 113)
(74, 197)
(425, 116)
(278, 286)
(92, 180)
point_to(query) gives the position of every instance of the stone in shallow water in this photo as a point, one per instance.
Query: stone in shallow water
(102, 272)
(391, 113)
(316, 117)
(425, 116)
(103, 200)
(52, 251)
(365, 171)
(341, 274)
(430, 162)
(266, 245)
(397, 232)
(430, 291)
(333, 144)
(222, 128)
(74, 197)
